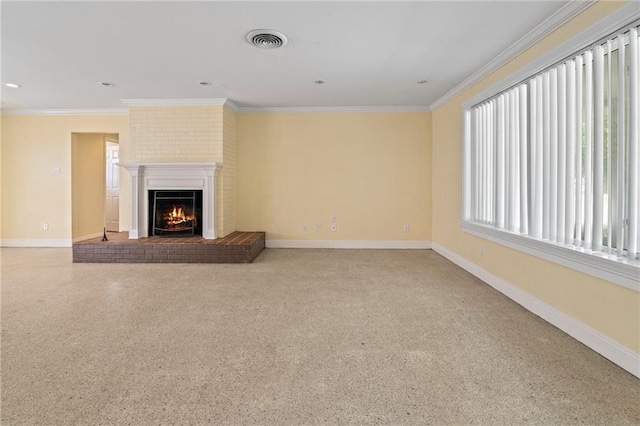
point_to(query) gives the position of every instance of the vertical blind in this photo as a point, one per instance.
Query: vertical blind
(556, 157)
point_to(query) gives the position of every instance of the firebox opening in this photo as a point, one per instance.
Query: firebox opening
(175, 213)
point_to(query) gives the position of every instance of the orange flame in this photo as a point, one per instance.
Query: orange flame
(177, 218)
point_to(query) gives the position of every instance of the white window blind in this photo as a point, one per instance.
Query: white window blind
(556, 157)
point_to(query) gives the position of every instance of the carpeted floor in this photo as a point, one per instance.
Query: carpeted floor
(298, 337)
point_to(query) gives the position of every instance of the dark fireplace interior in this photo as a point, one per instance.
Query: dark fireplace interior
(175, 213)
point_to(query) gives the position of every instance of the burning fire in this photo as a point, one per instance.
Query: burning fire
(177, 218)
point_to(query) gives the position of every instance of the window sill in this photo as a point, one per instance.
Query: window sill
(620, 271)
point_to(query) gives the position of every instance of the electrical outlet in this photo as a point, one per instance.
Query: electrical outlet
(333, 218)
(334, 227)
(405, 228)
(45, 226)
(318, 227)
(305, 228)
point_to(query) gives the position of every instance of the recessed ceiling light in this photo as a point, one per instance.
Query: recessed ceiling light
(12, 85)
(319, 82)
(422, 81)
(267, 39)
(107, 83)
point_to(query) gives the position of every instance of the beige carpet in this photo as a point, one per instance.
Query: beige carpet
(298, 337)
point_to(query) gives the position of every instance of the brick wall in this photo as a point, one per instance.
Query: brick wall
(171, 134)
(228, 189)
(175, 134)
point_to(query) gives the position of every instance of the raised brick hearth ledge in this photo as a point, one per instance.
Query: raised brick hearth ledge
(238, 247)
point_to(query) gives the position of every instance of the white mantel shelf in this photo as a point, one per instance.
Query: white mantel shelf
(171, 176)
(181, 166)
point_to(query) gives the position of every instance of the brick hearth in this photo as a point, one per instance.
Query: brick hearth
(238, 247)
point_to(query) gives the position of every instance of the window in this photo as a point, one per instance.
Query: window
(555, 159)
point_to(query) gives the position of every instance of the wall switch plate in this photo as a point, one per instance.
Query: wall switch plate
(405, 228)
(45, 226)
(305, 228)
(57, 170)
(333, 218)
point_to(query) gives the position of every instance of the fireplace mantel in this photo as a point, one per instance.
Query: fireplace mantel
(158, 176)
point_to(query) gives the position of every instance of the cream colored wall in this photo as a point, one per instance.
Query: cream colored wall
(372, 170)
(87, 184)
(606, 307)
(31, 193)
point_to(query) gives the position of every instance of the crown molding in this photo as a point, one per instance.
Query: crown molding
(175, 102)
(603, 28)
(562, 16)
(60, 112)
(213, 102)
(331, 109)
(232, 105)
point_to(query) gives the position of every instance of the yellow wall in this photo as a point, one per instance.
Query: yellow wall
(372, 170)
(608, 308)
(87, 184)
(31, 193)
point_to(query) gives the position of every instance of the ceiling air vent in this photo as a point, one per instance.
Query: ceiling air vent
(267, 39)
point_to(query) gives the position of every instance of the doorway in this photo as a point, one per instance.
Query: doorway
(112, 186)
(95, 196)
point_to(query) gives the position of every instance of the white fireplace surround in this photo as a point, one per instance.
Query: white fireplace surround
(171, 176)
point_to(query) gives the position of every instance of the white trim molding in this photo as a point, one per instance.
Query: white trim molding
(619, 271)
(176, 102)
(593, 339)
(613, 22)
(351, 244)
(171, 176)
(567, 12)
(35, 243)
(87, 237)
(232, 105)
(331, 109)
(65, 112)
(184, 102)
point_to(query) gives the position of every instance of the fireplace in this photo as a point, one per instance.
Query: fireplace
(175, 213)
(192, 185)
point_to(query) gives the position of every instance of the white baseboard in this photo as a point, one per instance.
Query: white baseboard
(35, 243)
(350, 244)
(605, 346)
(88, 237)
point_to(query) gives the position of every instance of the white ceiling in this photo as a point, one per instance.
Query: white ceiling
(369, 53)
